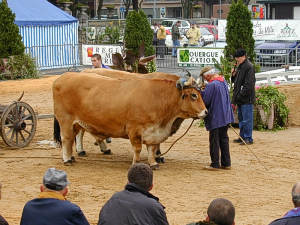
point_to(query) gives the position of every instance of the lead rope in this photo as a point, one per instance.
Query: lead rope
(260, 162)
(178, 139)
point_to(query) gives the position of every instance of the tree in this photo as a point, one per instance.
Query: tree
(138, 31)
(127, 4)
(135, 5)
(239, 30)
(100, 5)
(10, 39)
(187, 8)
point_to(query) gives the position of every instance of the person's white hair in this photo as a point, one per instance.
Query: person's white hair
(211, 71)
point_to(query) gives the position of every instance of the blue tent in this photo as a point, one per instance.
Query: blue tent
(49, 34)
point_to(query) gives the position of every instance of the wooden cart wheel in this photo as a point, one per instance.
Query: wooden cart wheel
(18, 124)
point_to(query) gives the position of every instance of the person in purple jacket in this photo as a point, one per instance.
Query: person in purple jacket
(217, 101)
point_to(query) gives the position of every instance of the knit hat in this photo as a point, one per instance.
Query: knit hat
(55, 179)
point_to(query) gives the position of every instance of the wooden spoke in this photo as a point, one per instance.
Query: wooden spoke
(18, 124)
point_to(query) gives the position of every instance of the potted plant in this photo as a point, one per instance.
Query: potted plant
(272, 111)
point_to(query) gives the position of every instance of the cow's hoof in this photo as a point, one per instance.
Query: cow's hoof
(68, 163)
(72, 158)
(82, 154)
(160, 159)
(107, 152)
(154, 167)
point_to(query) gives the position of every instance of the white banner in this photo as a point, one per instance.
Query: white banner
(105, 51)
(198, 56)
(286, 30)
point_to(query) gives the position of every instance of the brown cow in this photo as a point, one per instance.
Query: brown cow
(142, 110)
(125, 75)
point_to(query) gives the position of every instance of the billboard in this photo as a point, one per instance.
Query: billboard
(105, 51)
(286, 30)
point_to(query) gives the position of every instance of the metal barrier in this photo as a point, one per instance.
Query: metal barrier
(274, 58)
(70, 56)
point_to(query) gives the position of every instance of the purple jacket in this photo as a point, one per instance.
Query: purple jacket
(217, 101)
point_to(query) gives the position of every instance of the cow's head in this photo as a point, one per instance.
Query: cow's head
(131, 61)
(192, 105)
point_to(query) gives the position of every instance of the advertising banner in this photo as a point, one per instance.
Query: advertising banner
(198, 56)
(286, 30)
(105, 51)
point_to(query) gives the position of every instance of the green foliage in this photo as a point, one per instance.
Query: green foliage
(137, 31)
(10, 39)
(239, 30)
(113, 34)
(268, 95)
(18, 67)
(224, 67)
(151, 67)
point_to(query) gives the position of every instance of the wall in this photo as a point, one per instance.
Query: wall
(293, 102)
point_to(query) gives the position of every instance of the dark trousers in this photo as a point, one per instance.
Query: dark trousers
(161, 48)
(218, 139)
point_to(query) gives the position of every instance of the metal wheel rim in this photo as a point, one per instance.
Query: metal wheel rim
(18, 124)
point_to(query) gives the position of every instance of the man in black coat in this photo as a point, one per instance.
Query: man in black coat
(134, 205)
(292, 217)
(243, 96)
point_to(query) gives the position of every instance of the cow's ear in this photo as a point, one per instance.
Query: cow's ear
(130, 57)
(117, 59)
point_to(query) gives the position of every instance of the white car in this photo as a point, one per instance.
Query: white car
(206, 35)
(168, 23)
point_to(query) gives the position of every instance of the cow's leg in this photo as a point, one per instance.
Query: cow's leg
(103, 148)
(137, 148)
(79, 143)
(68, 137)
(157, 154)
(151, 156)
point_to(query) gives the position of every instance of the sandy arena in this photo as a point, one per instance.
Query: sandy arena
(184, 188)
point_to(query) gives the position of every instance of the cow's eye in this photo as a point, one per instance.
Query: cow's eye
(194, 96)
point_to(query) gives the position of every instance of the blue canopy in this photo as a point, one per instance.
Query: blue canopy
(38, 12)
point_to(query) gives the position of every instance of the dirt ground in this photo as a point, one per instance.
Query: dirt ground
(184, 188)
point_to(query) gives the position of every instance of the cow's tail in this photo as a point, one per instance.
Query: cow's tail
(56, 132)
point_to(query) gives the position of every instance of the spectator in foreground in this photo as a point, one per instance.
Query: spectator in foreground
(220, 212)
(134, 205)
(2, 220)
(51, 207)
(292, 217)
(220, 115)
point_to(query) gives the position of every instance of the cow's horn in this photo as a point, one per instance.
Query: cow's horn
(191, 81)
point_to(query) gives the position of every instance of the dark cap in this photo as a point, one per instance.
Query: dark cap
(192, 23)
(239, 53)
(55, 179)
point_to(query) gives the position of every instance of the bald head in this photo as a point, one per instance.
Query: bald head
(221, 211)
(296, 194)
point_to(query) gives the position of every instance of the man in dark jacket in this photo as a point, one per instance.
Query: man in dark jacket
(175, 38)
(244, 95)
(219, 212)
(217, 101)
(52, 207)
(134, 205)
(292, 217)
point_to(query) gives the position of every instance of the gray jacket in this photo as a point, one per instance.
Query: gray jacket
(133, 206)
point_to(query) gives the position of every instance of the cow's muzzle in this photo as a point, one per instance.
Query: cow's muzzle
(203, 114)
